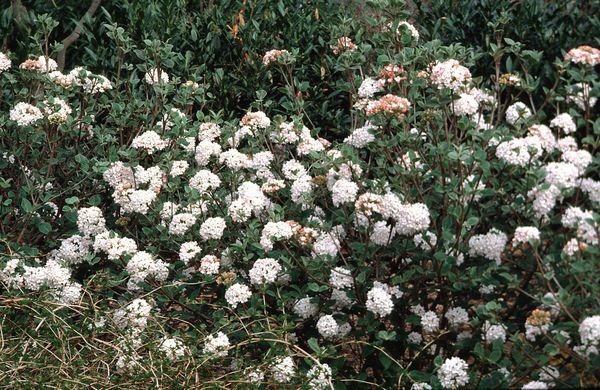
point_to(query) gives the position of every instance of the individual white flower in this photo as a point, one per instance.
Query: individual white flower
(453, 373)
(236, 294)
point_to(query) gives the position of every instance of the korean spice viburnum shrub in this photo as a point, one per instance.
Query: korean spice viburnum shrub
(445, 237)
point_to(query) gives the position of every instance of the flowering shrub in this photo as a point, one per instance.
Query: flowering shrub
(447, 237)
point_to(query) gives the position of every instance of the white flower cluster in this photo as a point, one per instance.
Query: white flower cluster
(450, 74)
(489, 245)
(589, 333)
(236, 294)
(90, 221)
(25, 114)
(173, 348)
(274, 231)
(5, 62)
(379, 301)
(188, 250)
(134, 316)
(264, 271)
(329, 328)
(114, 246)
(520, 151)
(361, 137)
(564, 122)
(217, 345)
(457, 316)
(492, 332)
(305, 309)
(212, 228)
(517, 112)
(319, 377)
(150, 141)
(453, 373)
(283, 369)
(525, 234)
(143, 266)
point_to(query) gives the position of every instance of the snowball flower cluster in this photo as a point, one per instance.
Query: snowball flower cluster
(489, 245)
(564, 122)
(5, 62)
(584, 55)
(236, 294)
(450, 74)
(216, 345)
(273, 56)
(344, 191)
(516, 112)
(25, 114)
(520, 151)
(453, 373)
(149, 141)
(524, 234)
(329, 328)
(283, 369)
(264, 271)
(379, 301)
(275, 231)
(212, 228)
(142, 266)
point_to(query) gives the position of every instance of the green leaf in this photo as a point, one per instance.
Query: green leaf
(44, 228)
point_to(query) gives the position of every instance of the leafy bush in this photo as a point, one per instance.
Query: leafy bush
(309, 210)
